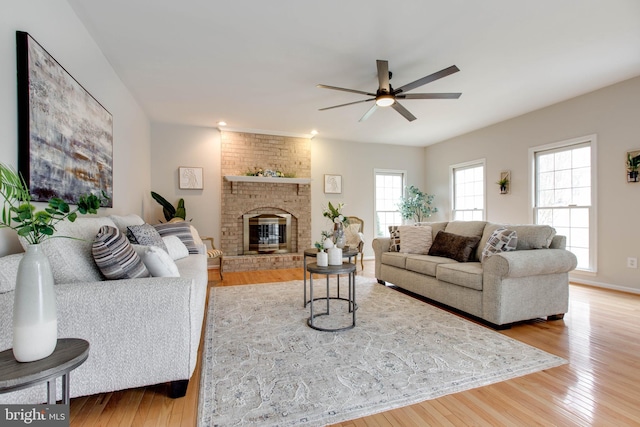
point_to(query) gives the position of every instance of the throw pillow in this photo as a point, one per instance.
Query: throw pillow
(145, 234)
(415, 240)
(157, 261)
(115, 256)
(352, 235)
(453, 246)
(501, 240)
(180, 229)
(123, 221)
(175, 247)
(394, 233)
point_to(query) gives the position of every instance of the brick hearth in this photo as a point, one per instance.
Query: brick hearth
(241, 152)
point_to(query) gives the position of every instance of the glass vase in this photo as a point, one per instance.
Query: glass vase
(338, 235)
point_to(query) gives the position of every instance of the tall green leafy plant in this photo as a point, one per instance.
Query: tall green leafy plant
(19, 214)
(169, 211)
(416, 205)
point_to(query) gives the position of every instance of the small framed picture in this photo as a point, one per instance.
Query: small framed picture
(333, 184)
(190, 178)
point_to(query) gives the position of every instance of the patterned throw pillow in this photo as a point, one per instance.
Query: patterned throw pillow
(115, 256)
(453, 246)
(146, 235)
(352, 236)
(501, 240)
(394, 233)
(182, 230)
(415, 240)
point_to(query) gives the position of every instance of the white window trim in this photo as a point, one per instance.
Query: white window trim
(593, 225)
(452, 168)
(385, 171)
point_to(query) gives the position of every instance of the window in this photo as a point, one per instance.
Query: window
(467, 187)
(564, 194)
(389, 187)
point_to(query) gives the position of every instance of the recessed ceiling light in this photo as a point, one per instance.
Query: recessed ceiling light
(222, 123)
(314, 132)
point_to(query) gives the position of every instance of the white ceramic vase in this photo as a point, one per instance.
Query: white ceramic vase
(335, 256)
(35, 322)
(322, 259)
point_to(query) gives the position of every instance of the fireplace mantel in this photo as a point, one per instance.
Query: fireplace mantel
(247, 178)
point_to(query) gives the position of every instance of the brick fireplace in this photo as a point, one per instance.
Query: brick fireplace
(243, 195)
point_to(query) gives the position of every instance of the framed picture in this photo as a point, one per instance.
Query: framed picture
(65, 136)
(190, 178)
(333, 184)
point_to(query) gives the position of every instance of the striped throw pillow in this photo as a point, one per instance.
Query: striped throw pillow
(181, 229)
(115, 256)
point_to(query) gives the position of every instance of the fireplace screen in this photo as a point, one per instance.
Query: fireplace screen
(266, 233)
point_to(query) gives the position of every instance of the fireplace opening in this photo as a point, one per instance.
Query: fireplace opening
(266, 233)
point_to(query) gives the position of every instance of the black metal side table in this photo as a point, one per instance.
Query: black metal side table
(313, 252)
(345, 268)
(68, 355)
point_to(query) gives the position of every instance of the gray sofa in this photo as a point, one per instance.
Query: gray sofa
(141, 331)
(507, 287)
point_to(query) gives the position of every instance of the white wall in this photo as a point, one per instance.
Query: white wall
(175, 146)
(356, 163)
(613, 114)
(57, 28)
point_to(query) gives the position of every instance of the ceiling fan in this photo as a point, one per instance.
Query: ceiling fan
(387, 96)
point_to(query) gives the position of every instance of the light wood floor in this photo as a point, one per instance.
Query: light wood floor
(600, 386)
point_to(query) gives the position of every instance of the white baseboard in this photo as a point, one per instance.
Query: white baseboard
(582, 281)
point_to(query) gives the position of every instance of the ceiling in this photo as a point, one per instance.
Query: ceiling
(256, 64)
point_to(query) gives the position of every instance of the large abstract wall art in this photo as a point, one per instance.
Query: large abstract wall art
(65, 136)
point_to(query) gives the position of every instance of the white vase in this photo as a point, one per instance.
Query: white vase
(335, 256)
(35, 323)
(322, 259)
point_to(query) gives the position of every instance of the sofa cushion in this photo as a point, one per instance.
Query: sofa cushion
(115, 256)
(435, 226)
(394, 259)
(501, 240)
(533, 236)
(124, 221)
(71, 259)
(468, 274)
(454, 246)
(145, 234)
(466, 228)
(182, 229)
(157, 261)
(415, 240)
(9, 271)
(426, 264)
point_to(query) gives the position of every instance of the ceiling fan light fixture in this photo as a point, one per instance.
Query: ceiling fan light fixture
(385, 100)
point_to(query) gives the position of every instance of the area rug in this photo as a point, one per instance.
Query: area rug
(263, 365)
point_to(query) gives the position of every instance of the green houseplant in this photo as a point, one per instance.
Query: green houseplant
(503, 183)
(35, 323)
(633, 164)
(170, 212)
(416, 205)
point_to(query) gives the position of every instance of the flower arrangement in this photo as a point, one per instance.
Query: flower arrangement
(36, 226)
(335, 214)
(269, 173)
(324, 236)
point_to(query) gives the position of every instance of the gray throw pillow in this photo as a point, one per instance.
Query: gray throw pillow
(181, 229)
(146, 235)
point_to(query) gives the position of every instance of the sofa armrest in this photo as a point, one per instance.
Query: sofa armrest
(380, 245)
(532, 262)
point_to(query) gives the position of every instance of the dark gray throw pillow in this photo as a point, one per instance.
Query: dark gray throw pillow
(115, 256)
(454, 246)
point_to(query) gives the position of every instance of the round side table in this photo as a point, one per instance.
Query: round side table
(313, 252)
(345, 268)
(68, 355)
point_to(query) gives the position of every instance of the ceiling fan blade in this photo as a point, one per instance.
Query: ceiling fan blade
(429, 96)
(405, 113)
(346, 90)
(383, 75)
(344, 105)
(369, 113)
(428, 79)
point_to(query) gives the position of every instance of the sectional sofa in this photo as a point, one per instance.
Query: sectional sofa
(528, 282)
(141, 331)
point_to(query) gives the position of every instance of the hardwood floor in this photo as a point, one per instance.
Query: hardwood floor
(600, 385)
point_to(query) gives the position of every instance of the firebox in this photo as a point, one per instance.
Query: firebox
(266, 233)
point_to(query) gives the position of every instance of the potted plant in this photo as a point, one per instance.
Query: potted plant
(633, 163)
(416, 205)
(503, 183)
(170, 212)
(334, 213)
(34, 307)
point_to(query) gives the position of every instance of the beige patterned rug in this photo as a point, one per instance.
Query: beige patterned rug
(262, 364)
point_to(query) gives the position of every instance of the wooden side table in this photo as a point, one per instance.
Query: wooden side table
(68, 355)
